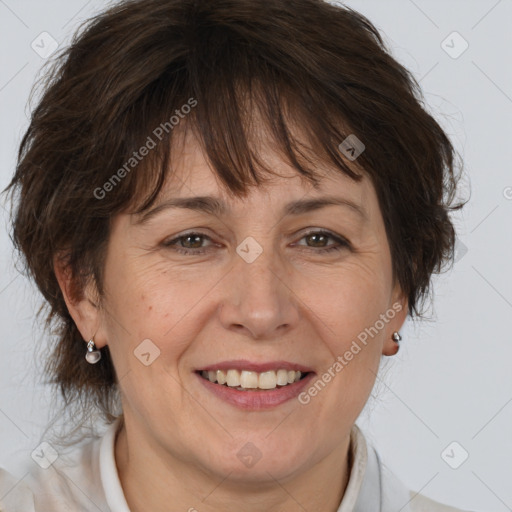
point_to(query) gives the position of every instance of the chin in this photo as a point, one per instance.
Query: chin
(247, 463)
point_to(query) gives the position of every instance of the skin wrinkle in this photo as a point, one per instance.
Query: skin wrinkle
(179, 444)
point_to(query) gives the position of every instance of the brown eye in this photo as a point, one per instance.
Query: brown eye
(190, 243)
(319, 240)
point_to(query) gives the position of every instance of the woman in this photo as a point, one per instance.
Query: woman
(230, 208)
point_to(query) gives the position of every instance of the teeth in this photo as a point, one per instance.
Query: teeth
(252, 380)
(232, 378)
(221, 377)
(249, 379)
(282, 377)
(268, 380)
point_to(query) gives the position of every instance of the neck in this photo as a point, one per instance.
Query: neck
(153, 478)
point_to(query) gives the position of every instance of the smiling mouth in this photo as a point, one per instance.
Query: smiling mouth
(253, 381)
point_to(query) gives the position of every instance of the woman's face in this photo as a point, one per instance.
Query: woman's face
(257, 286)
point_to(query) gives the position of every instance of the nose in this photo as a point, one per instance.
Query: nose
(258, 298)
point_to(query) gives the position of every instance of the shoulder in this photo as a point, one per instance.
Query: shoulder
(55, 479)
(420, 503)
(387, 491)
(417, 502)
(15, 495)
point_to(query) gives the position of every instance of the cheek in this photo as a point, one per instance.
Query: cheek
(154, 301)
(348, 309)
(348, 316)
(350, 298)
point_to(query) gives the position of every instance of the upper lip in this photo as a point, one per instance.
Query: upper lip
(245, 364)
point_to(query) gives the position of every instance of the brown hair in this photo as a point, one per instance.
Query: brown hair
(138, 64)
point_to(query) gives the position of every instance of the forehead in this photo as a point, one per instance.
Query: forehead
(192, 185)
(191, 174)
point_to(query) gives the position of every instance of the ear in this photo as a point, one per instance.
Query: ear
(399, 305)
(83, 304)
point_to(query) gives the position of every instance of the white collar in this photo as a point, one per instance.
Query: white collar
(380, 489)
(108, 471)
(372, 486)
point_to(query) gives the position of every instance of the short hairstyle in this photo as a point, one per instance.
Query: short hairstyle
(136, 74)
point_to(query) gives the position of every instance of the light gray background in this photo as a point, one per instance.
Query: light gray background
(451, 380)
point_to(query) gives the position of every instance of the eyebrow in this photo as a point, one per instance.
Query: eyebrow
(214, 206)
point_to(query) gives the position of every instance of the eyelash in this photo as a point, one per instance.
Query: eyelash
(173, 243)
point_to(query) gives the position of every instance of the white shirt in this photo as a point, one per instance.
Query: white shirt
(86, 479)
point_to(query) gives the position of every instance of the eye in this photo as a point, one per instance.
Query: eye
(319, 239)
(192, 243)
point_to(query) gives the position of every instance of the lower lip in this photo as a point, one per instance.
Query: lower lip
(257, 399)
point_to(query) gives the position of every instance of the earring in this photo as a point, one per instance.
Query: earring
(396, 338)
(93, 355)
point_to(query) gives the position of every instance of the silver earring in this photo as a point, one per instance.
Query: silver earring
(92, 355)
(396, 337)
